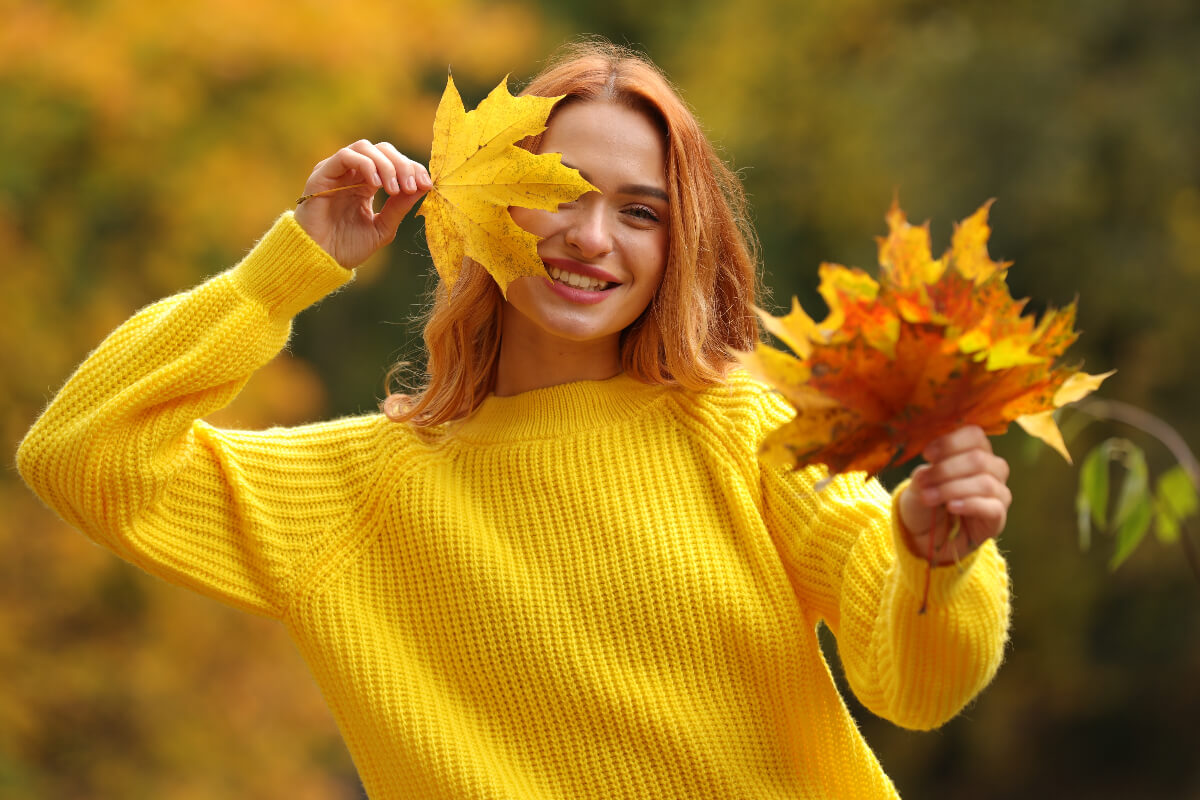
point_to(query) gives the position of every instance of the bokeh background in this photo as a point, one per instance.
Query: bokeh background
(144, 146)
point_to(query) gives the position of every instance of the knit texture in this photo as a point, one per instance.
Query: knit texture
(593, 590)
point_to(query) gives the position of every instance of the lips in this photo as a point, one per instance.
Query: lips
(578, 275)
(574, 279)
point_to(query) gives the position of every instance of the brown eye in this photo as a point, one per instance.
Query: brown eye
(643, 213)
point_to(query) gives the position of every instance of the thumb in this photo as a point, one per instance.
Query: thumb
(915, 515)
(394, 210)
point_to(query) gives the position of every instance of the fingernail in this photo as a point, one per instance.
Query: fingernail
(393, 186)
(410, 185)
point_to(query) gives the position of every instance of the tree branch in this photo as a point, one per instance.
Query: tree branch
(1116, 411)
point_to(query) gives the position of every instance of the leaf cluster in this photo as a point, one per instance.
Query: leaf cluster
(931, 346)
(1115, 496)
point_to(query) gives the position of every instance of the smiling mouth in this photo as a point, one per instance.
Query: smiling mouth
(577, 281)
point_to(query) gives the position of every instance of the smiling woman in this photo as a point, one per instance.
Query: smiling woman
(560, 569)
(605, 252)
(704, 305)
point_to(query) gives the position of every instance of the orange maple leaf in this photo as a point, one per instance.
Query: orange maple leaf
(931, 346)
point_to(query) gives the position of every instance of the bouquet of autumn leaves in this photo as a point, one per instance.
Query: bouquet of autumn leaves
(931, 346)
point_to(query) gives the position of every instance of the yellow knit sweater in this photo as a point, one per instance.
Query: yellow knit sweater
(587, 591)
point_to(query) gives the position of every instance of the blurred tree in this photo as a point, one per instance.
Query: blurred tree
(145, 147)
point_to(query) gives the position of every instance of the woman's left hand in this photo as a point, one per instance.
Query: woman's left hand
(965, 479)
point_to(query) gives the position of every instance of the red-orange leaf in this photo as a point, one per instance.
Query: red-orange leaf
(931, 346)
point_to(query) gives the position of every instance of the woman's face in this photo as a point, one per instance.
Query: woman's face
(607, 251)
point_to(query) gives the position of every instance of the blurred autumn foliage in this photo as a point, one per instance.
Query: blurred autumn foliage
(144, 146)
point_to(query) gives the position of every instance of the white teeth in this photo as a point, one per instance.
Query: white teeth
(577, 280)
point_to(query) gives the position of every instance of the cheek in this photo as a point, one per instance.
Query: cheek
(521, 295)
(532, 220)
(655, 257)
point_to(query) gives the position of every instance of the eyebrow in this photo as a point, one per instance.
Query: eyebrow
(642, 189)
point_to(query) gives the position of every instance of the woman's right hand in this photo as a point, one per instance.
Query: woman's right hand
(344, 223)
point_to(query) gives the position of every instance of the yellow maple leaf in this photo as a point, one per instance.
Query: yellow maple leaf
(478, 172)
(931, 346)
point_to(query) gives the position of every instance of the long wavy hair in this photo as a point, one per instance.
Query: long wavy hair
(704, 306)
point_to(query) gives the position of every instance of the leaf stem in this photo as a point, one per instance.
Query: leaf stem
(954, 521)
(329, 192)
(933, 526)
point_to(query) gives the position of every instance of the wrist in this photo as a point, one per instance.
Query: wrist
(287, 271)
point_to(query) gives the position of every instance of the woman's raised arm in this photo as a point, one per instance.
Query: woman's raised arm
(121, 452)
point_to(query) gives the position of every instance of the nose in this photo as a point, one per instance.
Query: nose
(587, 230)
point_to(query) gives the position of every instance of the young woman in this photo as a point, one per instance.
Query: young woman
(557, 569)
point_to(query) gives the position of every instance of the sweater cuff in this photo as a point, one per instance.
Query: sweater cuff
(287, 271)
(944, 581)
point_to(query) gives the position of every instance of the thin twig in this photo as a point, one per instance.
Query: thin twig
(933, 526)
(1117, 411)
(329, 192)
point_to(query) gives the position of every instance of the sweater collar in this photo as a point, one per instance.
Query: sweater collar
(557, 410)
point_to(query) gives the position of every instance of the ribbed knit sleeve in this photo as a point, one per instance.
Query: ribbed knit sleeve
(842, 546)
(120, 452)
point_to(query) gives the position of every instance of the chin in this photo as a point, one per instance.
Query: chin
(579, 333)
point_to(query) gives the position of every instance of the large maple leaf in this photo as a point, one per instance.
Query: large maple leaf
(931, 346)
(478, 172)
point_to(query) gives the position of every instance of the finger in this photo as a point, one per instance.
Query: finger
(401, 167)
(954, 493)
(968, 437)
(411, 176)
(977, 484)
(343, 168)
(963, 464)
(915, 513)
(382, 171)
(984, 517)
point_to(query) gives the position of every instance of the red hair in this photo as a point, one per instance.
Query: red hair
(702, 310)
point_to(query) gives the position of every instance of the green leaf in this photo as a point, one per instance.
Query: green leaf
(1135, 488)
(1166, 525)
(1093, 482)
(1174, 501)
(1176, 490)
(1083, 517)
(1132, 528)
(1135, 508)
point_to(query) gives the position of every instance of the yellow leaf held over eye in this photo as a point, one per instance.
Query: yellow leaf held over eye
(478, 172)
(931, 346)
